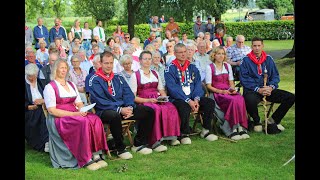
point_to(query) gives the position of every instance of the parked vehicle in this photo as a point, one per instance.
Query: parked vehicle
(262, 15)
(287, 16)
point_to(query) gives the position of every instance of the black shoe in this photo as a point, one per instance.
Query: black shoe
(273, 129)
(111, 144)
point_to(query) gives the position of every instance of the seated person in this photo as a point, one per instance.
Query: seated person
(115, 102)
(219, 81)
(126, 63)
(36, 132)
(77, 139)
(77, 75)
(147, 87)
(184, 88)
(235, 53)
(252, 70)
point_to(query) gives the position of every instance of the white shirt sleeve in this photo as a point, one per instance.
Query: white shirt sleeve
(50, 97)
(133, 83)
(230, 72)
(208, 77)
(160, 85)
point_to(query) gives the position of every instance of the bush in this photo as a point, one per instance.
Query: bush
(268, 30)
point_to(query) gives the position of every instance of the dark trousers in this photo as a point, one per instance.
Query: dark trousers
(144, 117)
(207, 106)
(285, 98)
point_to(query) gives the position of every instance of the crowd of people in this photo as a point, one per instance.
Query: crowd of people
(125, 81)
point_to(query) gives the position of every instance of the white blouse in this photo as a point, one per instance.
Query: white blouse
(50, 96)
(35, 93)
(86, 33)
(208, 77)
(144, 80)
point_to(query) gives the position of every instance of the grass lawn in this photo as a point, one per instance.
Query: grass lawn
(260, 157)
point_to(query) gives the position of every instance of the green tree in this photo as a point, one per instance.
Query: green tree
(99, 9)
(214, 7)
(31, 8)
(132, 9)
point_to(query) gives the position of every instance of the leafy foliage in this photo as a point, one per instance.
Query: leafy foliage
(101, 10)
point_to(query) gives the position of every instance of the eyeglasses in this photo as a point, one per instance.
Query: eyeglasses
(168, 46)
(240, 42)
(126, 37)
(127, 64)
(149, 59)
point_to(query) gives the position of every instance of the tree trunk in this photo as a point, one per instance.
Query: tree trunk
(131, 18)
(292, 53)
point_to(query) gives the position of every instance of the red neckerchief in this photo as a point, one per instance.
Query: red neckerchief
(254, 59)
(26, 28)
(101, 74)
(199, 24)
(182, 69)
(219, 38)
(57, 28)
(91, 57)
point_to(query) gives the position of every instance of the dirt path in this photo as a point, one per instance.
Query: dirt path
(278, 53)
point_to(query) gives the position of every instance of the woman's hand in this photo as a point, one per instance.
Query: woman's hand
(32, 107)
(81, 113)
(153, 100)
(38, 101)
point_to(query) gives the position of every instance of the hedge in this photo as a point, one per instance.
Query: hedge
(268, 30)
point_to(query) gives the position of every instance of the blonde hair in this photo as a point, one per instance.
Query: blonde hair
(215, 50)
(55, 68)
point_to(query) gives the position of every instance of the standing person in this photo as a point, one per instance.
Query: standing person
(28, 35)
(162, 20)
(209, 27)
(36, 132)
(198, 27)
(118, 32)
(220, 25)
(115, 102)
(77, 139)
(155, 26)
(40, 32)
(235, 53)
(185, 91)
(99, 31)
(87, 36)
(252, 70)
(57, 31)
(77, 31)
(219, 81)
(173, 27)
(147, 86)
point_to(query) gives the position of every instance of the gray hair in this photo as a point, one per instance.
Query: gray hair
(125, 58)
(240, 37)
(179, 45)
(75, 56)
(155, 53)
(200, 34)
(96, 58)
(190, 44)
(55, 68)
(31, 69)
(42, 42)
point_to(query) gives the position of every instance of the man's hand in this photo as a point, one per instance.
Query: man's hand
(193, 105)
(265, 91)
(126, 112)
